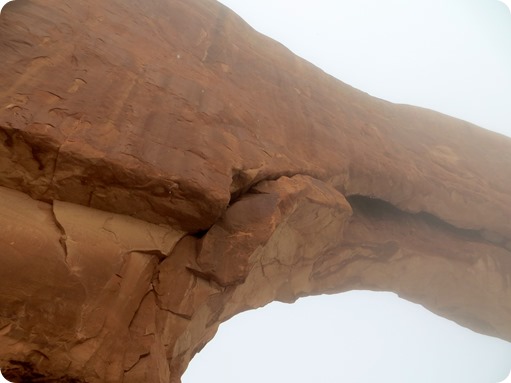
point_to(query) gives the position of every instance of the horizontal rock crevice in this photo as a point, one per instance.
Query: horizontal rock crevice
(379, 208)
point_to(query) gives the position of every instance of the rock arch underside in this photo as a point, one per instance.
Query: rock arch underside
(163, 167)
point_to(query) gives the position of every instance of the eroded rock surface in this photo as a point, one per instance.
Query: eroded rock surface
(163, 167)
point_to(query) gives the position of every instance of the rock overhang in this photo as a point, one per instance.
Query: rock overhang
(279, 181)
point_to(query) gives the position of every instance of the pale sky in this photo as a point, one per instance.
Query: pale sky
(453, 56)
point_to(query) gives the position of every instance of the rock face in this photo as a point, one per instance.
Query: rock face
(163, 167)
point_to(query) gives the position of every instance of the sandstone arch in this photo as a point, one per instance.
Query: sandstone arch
(163, 167)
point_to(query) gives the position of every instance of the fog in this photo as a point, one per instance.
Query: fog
(359, 336)
(453, 56)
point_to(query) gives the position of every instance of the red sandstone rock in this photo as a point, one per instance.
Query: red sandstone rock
(165, 167)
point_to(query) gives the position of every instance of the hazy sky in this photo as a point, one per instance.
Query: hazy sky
(355, 337)
(453, 56)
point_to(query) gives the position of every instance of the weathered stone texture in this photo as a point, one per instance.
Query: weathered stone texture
(163, 167)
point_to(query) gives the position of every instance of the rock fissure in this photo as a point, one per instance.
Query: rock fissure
(377, 207)
(63, 235)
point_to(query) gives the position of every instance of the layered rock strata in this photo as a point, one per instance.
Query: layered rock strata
(163, 167)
